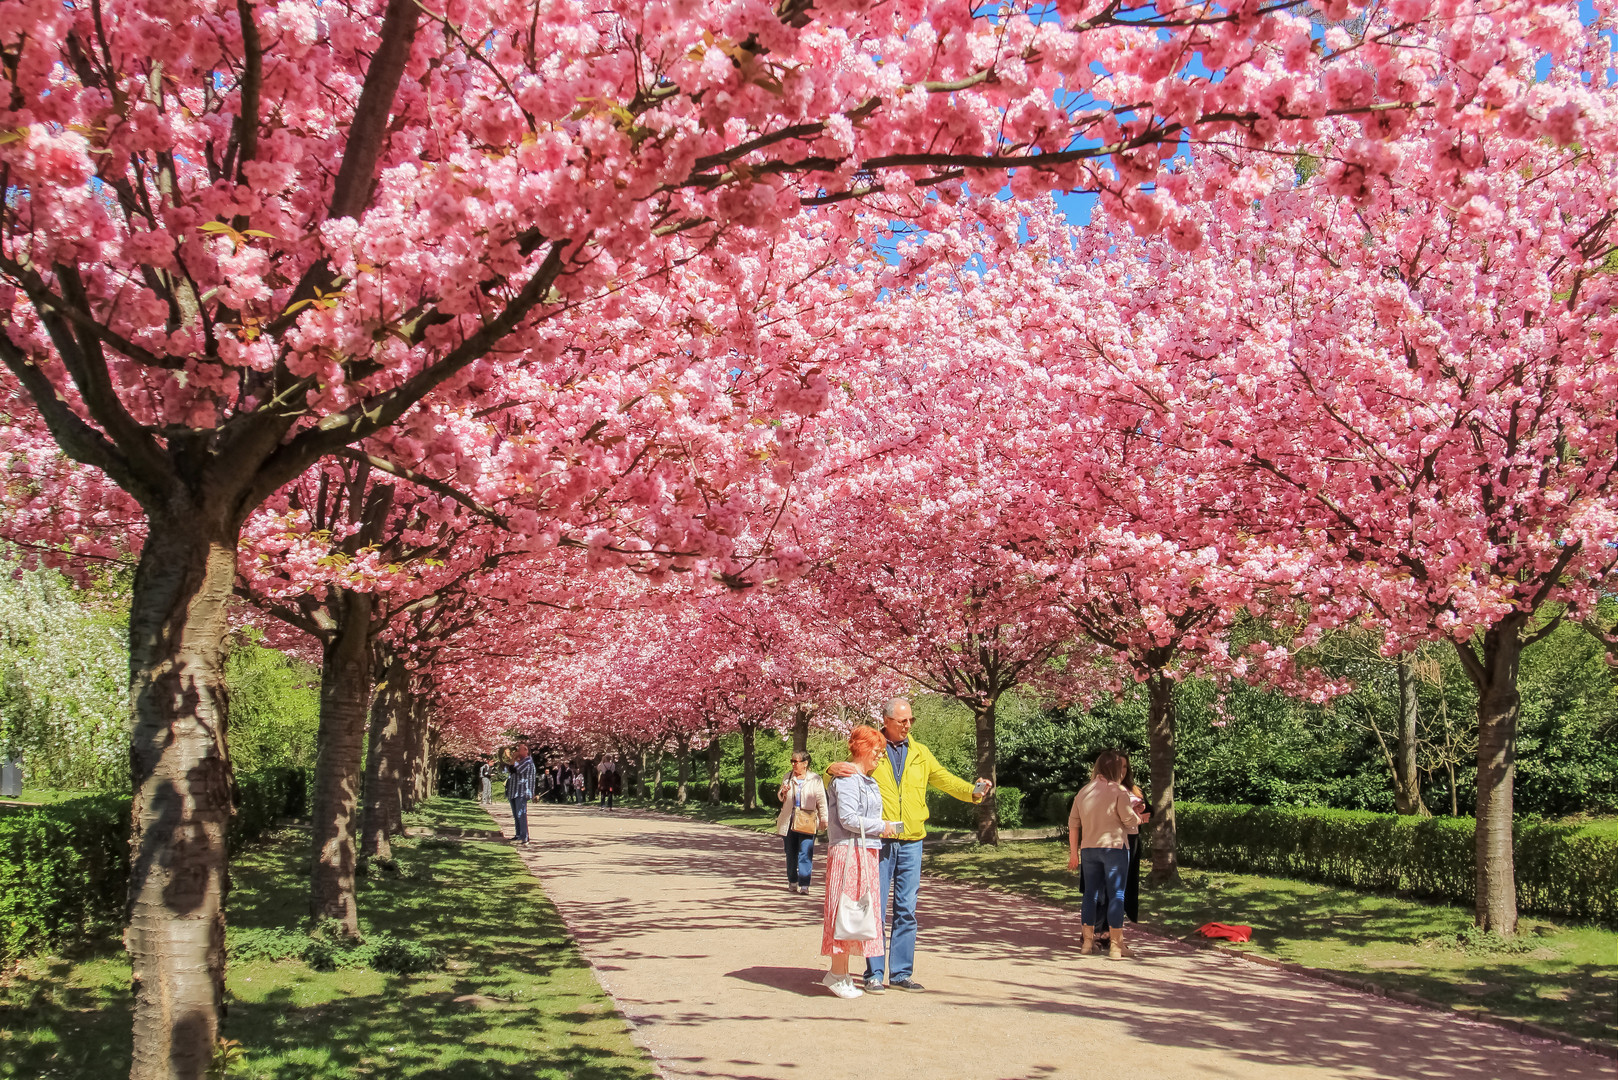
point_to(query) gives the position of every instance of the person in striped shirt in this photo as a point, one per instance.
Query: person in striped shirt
(519, 789)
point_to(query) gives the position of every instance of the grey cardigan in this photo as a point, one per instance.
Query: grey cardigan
(853, 801)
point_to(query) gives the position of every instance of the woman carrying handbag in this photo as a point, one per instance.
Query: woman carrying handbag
(853, 918)
(803, 814)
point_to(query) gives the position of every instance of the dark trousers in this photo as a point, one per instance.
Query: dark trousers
(1131, 890)
(519, 817)
(800, 858)
(1105, 873)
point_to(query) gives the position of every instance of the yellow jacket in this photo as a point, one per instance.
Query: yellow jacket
(904, 797)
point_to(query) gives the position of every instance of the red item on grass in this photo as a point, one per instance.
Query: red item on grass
(1222, 930)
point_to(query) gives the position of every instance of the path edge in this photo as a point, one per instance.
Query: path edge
(638, 1033)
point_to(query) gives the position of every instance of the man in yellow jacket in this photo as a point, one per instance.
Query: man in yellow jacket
(910, 769)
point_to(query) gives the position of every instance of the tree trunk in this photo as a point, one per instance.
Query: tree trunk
(181, 810)
(657, 776)
(1160, 726)
(988, 826)
(1495, 675)
(715, 752)
(412, 763)
(345, 689)
(749, 767)
(421, 752)
(385, 763)
(800, 729)
(682, 755)
(1406, 777)
(431, 744)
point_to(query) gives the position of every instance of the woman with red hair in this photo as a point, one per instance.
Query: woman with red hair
(854, 831)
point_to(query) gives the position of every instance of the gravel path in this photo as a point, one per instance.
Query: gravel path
(689, 926)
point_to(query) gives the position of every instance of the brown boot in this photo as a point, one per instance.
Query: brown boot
(1088, 946)
(1115, 947)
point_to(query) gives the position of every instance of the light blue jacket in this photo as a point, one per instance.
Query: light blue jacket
(854, 801)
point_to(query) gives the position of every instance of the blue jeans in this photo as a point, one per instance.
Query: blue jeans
(519, 817)
(901, 880)
(1106, 873)
(800, 858)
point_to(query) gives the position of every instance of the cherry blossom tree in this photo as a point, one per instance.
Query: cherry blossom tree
(916, 508)
(239, 238)
(1416, 387)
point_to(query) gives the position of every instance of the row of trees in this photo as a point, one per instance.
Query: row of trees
(401, 323)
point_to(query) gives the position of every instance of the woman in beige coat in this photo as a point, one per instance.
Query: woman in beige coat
(1098, 839)
(801, 790)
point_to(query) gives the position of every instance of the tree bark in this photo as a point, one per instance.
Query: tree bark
(988, 759)
(1494, 672)
(715, 752)
(682, 756)
(1406, 777)
(385, 764)
(181, 810)
(1160, 727)
(422, 708)
(800, 729)
(749, 766)
(345, 689)
(657, 776)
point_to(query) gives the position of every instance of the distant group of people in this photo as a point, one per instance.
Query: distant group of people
(874, 814)
(526, 782)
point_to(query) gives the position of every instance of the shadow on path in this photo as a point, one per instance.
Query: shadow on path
(1004, 971)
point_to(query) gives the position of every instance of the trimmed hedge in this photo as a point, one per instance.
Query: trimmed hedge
(64, 873)
(730, 791)
(64, 868)
(1566, 870)
(1561, 869)
(951, 813)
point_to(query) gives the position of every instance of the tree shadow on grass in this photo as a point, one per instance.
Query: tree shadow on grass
(531, 1006)
(54, 1024)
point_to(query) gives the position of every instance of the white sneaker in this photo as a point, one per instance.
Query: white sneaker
(804, 889)
(841, 985)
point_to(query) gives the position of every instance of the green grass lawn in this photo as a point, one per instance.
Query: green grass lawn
(452, 814)
(1565, 977)
(47, 795)
(534, 1008)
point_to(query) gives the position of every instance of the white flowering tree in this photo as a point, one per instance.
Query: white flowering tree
(64, 681)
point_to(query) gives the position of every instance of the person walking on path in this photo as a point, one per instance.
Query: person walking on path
(606, 782)
(485, 783)
(854, 836)
(1096, 841)
(803, 801)
(904, 777)
(519, 789)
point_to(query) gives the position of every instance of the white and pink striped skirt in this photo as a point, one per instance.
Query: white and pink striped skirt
(850, 871)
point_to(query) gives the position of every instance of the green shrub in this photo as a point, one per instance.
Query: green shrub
(327, 950)
(64, 873)
(400, 957)
(1009, 813)
(64, 868)
(946, 811)
(248, 943)
(1561, 869)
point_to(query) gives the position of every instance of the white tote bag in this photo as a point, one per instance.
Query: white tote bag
(857, 919)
